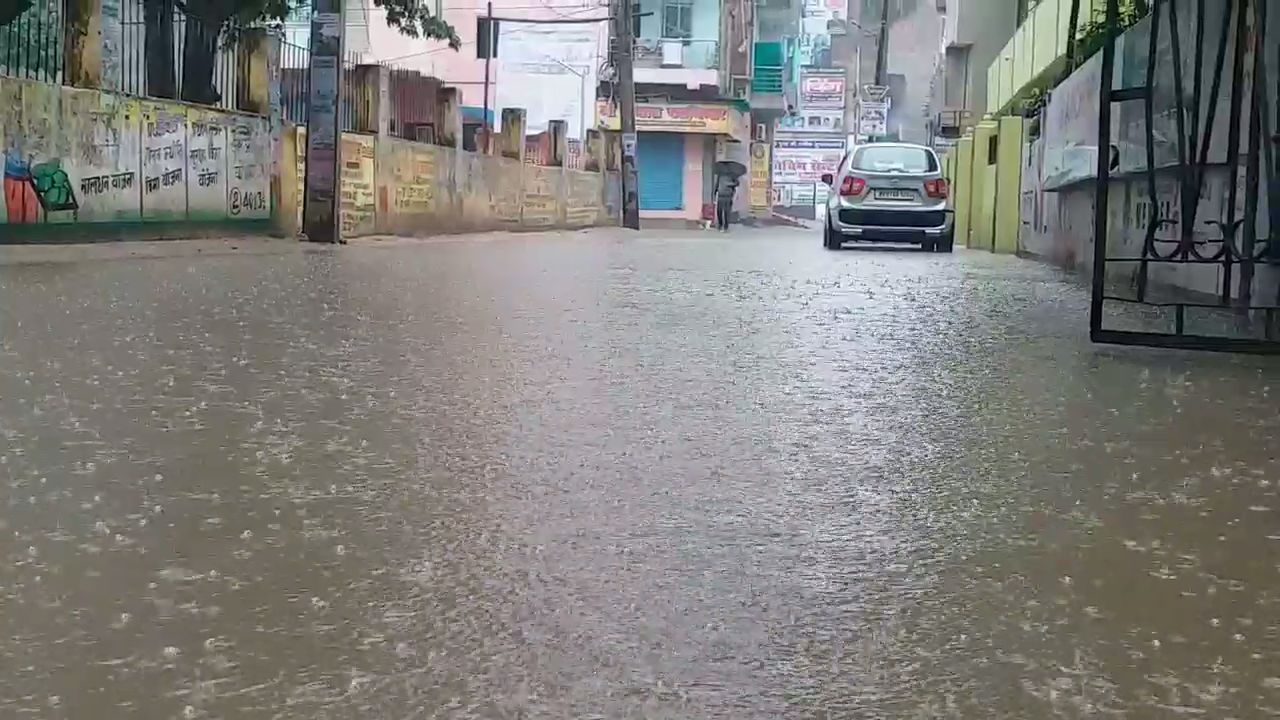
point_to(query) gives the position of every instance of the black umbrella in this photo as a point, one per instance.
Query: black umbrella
(731, 168)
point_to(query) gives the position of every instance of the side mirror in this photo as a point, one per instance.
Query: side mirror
(828, 179)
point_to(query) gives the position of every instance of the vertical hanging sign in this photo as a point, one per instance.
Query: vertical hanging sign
(320, 203)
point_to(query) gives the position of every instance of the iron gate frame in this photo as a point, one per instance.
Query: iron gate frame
(1255, 251)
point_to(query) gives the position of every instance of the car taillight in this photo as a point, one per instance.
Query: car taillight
(936, 188)
(852, 185)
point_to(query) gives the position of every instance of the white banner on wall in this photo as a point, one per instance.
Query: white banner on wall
(550, 71)
(813, 121)
(802, 195)
(804, 160)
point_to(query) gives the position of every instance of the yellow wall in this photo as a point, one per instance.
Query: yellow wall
(1037, 50)
(962, 188)
(355, 202)
(1008, 189)
(393, 186)
(982, 203)
(288, 219)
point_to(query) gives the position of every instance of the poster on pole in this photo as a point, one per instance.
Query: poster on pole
(759, 187)
(320, 213)
(873, 118)
(875, 93)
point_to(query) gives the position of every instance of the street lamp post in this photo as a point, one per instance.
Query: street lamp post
(582, 91)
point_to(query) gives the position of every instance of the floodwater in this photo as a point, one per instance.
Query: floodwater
(617, 476)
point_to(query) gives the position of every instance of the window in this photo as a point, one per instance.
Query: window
(677, 20)
(888, 158)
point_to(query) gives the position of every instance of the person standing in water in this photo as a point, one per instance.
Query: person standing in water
(726, 186)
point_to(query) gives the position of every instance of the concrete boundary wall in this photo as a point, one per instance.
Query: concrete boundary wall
(85, 165)
(1057, 194)
(391, 186)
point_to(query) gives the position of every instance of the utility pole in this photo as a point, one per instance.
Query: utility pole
(882, 47)
(627, 110)
(320, 205)
(490, 46)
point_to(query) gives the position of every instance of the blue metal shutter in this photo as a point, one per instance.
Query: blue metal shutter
(660, 162)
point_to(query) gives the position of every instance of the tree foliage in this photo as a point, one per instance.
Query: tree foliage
(411, 17)
(11, 9)
(30, 37)
(207, 22)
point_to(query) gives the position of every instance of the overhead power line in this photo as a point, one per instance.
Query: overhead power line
(433, 51)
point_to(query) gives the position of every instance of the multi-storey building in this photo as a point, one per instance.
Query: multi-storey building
(549, 70)
(692, 61)
(974, 33)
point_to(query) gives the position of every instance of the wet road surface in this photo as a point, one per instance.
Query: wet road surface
(609, 476)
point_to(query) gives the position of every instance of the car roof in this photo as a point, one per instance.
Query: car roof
(894, 144)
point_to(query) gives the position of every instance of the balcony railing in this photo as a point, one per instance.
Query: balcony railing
(767, 80)
(770, 68)
(677, 53)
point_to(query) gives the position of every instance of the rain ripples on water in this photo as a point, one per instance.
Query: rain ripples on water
(602, 476)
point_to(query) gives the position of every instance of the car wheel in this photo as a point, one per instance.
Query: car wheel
(830, 238)
(927, 246)
(947, 244)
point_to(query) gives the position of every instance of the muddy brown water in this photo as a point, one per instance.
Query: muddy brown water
(609, 476)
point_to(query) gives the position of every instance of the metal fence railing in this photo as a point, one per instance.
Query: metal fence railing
(164, 52)
(356, 110)
(31, 42)
(155, 49)
(415, 105)
(150, 48)
(295, 81)
(412, 98)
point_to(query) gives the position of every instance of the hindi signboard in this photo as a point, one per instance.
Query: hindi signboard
(822, 90)
(805, 160)
(698, 118)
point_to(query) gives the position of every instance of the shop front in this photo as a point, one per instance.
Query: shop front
(677, 145)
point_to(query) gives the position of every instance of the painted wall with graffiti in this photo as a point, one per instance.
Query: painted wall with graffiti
(391, 186)
(85, 161)
(422, 189)
(355, 200)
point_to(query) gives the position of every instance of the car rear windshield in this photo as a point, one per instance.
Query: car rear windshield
(891, 158)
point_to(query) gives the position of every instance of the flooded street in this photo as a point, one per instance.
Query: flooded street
(606, 476)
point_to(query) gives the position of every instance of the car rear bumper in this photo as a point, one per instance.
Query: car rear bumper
(909, 226)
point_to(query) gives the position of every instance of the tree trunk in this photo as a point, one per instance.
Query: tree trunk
(161, 81)
(199, 54)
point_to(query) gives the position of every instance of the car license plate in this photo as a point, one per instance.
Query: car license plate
(895, 195)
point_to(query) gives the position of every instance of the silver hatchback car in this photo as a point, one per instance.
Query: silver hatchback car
(889, 192)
